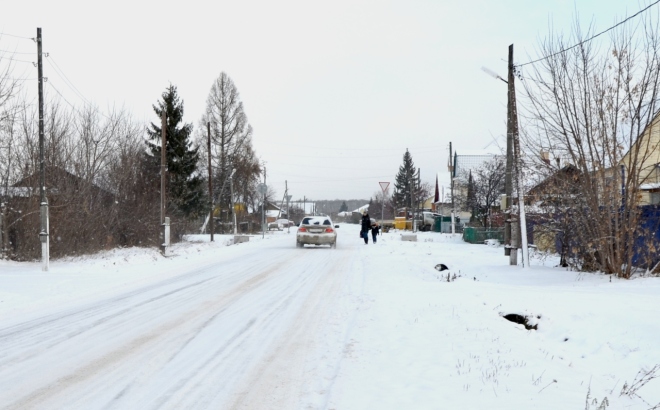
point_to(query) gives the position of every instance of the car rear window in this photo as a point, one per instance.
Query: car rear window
(316, 220)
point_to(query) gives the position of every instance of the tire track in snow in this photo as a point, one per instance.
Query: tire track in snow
(81, 374)
(289, 372)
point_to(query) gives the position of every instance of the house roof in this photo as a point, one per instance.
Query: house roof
(556, 180)
(54, 177)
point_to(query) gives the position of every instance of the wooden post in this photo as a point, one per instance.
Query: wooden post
(208, 131)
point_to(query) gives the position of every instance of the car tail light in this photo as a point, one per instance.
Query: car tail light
(329, 230)
(301, 229)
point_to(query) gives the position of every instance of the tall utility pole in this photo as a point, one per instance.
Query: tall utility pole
(509, 245)
(451, 175)
(208, 146)
(231, 199)
(43, 207)
(263, 211)
(288, 213)
(516, 166)
(163, 164)
(164, 220)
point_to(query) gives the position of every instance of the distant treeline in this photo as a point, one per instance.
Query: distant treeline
(332, 207)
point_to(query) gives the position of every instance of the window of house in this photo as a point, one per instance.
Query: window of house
(655, 198)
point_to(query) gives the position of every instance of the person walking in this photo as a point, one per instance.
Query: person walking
(375, 229)
(366, 227)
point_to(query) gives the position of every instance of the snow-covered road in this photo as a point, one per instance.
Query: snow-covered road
(263, 325)
(243, 331)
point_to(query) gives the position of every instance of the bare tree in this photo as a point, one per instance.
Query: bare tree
(231, 148)
(485, 187)
(231, 134)
(588, 104)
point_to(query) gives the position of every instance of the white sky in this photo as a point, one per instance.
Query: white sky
(335, 92)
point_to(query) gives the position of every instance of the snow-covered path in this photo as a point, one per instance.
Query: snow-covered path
(236, 333)
(263, 325)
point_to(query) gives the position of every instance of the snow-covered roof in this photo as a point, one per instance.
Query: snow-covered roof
(16, 191)
(362, 208)
(649, 187)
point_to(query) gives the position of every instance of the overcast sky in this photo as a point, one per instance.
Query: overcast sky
(335, 91)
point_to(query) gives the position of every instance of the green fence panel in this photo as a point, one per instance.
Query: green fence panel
(478, 235)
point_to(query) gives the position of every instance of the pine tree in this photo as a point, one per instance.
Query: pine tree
(185, 192)
(343, 207)
(403, 181)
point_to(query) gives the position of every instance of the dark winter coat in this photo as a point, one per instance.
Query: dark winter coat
(366, 223)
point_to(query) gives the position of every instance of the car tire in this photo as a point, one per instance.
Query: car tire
(299, 245)
(334, 245)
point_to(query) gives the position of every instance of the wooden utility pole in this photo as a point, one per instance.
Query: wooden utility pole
(231, 199)
(511, 246)
(521, 228)
(163, 163)
(208, 132)
(43, 207)
(452, 174)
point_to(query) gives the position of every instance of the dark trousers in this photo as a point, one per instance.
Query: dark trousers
(365, 235)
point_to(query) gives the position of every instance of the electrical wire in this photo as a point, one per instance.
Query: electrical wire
(338, 180)
(17, 79)
(590, 38)
(68, 82)
(351, 148)
(19, 60)
(346, 157)
(60, 94)
(15, 36)
(17, 52)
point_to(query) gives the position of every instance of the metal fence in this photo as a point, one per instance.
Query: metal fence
(479, 235)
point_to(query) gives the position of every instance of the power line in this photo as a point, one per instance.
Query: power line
(15, 36)
(17, 79)
(16, 52)
(590, 38)
(60, 94)
(351, 148)
(340, 180)
(70, 84)
(347, 157)
(18, 60)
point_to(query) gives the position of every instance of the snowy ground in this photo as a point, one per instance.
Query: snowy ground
(263, 325)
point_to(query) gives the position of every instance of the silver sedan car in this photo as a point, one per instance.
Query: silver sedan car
(316, 230)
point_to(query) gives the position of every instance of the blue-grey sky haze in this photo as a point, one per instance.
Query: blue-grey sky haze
(336, 92)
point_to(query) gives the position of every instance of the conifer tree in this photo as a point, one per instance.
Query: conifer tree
(185, 191)
(403, 181)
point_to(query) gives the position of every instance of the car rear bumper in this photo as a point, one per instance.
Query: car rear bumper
(316, 239)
